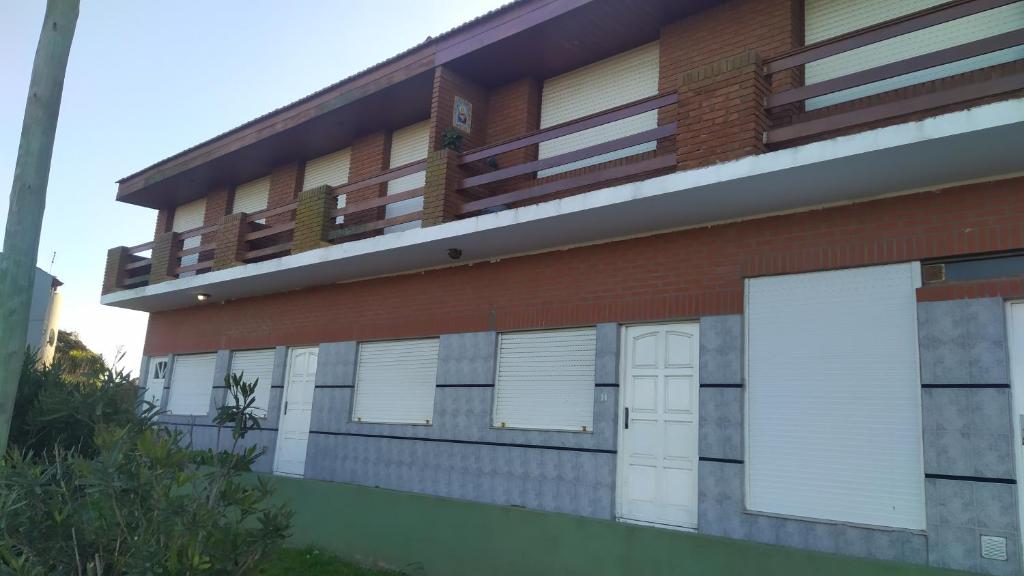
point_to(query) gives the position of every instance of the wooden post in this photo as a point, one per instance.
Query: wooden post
(28, 196)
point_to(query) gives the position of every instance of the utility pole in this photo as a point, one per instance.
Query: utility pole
(28, 197)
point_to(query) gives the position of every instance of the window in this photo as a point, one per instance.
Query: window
(612, 82)
(545, 380)
(329, 170)
(395, 381)
(252, 197)
(408, 144)
(833, 396)
(191, 384)
(829, 18)
(256, 366)
(189, 217)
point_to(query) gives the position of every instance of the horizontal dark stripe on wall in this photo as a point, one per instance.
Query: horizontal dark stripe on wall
(606, 385)
(335, 386)
(475, 442)
(721, 385)
(465, 385)
(971, 478)
(281, 386)
(197, 425)
(965, 385)
(722, 460)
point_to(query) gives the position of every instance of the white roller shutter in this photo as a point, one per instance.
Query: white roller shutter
(329, 170)
(188, 217)
(191, 384)
(255, 365)
(252, 196)
(545, 380)
(408, 144)
(833, 396)
(395, 382)
(825, 19)
(612, 82)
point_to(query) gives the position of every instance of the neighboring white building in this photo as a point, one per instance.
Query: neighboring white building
(44, 315)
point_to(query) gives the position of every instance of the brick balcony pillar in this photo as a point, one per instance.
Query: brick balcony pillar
(721, 111)
(163, 262)
(313, 219)
(231, 248)
(440, 198)
(113, 275)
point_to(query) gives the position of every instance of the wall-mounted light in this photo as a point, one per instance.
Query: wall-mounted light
(202, 297)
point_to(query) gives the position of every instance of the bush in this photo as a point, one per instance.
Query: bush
(137, 502)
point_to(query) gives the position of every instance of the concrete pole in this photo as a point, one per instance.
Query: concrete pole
(28, 196)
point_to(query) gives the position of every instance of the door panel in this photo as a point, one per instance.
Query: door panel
(296, 411)
(658, 443)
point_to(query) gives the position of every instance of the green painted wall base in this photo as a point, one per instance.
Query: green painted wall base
(443, 537)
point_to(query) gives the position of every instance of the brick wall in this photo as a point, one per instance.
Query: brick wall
(370, 156)
(448, 85)
(681, 274)
(285, 184)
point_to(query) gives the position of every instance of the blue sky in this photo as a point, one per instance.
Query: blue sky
(148, 79)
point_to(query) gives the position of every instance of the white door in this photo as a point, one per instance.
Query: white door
(1015, 324)
(658, 430)
(156, 380)
(293, 430)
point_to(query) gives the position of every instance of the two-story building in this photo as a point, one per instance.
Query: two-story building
(743, 267)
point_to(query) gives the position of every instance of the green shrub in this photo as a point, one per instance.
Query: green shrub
(138, 502)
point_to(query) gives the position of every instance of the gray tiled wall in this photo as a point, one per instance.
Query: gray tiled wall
(461, 454)
(968, 433)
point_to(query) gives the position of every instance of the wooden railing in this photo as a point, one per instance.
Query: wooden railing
(203, 252)
(920, 20)
(136, 269)
(343, 232)
(474, 186)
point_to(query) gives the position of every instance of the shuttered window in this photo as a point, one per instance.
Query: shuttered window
(833, 396)
(252, 196)
(612, 82)
(829, 18)
(256, 366)
(395, 382)
(408, 144)
(329, 170)
(545, 380)
(188, 217)
(191, 384)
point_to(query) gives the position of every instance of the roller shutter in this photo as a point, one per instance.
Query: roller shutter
(395, 381)
(612, 82)
(834, 398)
(191, 384)
(545, 380)
(329, 170)
(408, 144)
(825, 19)
(253, 365)
(189, 217)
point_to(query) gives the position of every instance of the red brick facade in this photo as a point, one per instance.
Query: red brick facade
(681, 274)
(370, 156)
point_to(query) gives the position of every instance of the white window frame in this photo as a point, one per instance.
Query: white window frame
(261, 405)
(504, 422)
(426, 384)
(173, 396)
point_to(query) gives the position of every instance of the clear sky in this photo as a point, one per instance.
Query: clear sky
(149, 79)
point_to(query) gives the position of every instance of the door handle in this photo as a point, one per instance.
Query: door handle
(285, 406)
(626, 418)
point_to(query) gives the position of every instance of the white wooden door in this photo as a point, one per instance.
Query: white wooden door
(293, 430)
(658, 428)
(156, 380)
(1015, 325)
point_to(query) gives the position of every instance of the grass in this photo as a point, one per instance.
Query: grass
(314, 562)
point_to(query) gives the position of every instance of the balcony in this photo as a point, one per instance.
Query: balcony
(740, 107)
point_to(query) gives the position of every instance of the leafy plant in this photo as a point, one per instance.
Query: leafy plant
(140, 503)
(452, 139)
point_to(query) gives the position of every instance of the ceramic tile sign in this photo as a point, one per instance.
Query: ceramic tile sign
(463, 114)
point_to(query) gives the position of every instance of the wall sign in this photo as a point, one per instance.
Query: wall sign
(462, 118)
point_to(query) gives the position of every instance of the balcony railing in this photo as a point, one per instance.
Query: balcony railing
(854, 116)
(478, 197)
